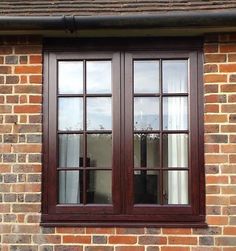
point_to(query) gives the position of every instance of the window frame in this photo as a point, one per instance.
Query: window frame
(123, 213)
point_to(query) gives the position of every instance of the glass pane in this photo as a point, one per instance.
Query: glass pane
(99, 113)
(70, 150)
(146, 189)
(70, 187)
(67, 108)
(146, 113)
(70, 77)
(175, 76)
(98, 76)
(99, 150)
(146, 76)
(175, 113)
(146, 150)
(175, 187)
(175, 150)
(99, 187)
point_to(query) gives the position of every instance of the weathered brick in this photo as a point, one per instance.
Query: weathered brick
(69, 248)
(99, 239)
(13, 238)
(106, 248)
(226, 241)
(44, 239)
(206, 240)
(12, 79)
(10, 178)
(151, 240)
(11, 60)
(5, 89)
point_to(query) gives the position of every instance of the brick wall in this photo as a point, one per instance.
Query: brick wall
(20, 161)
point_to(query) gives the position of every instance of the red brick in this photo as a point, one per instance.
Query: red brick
(213, 159)
(232, 57)
(228, 68)
(35, 59)
(29, 49)
(122, 239)
(229, 230)
(210, 48)
(217, 220)
(211, 108)
(211, 128)
(215, 118)
(182, 240)
(28, 69)
(228, 88)
(35, 99)
(215, 58)
(217, 179)
(228, 128)
(92, 230)
(215, 78)
(227, 48)
(217, 200)
(215, 98)
(27, 148)
(35, 79)
(77, 239)
(27, 109)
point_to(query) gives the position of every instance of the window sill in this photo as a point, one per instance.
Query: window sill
(52, 221)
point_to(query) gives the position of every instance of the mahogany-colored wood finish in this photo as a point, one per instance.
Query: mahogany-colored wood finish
(123, 211)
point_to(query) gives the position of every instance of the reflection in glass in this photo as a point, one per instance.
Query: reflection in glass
(70, 150)
(70, 77)
(146, 187)
(146, 113)
(146, 150)
(175, 150)
(146, 76)
(98, 76)
(175, 187)
(175, 76)
(175, 113)
(99, 114)
(99, 150)
(99, 187)
(70, 114)
(70, 187)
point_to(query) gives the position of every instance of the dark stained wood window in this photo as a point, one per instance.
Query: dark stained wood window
(123, 137)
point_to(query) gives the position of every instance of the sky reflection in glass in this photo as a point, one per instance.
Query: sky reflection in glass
(70, 77)
(146, 76)
(70, 114)
(146, 113)
(99, 113)
(98, 76)
(175, 76)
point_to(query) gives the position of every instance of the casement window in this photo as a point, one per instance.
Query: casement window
(123, 134)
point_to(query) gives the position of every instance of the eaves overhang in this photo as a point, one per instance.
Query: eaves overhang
(168, 23)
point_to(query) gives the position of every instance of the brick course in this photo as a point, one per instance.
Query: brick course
(21, 166)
